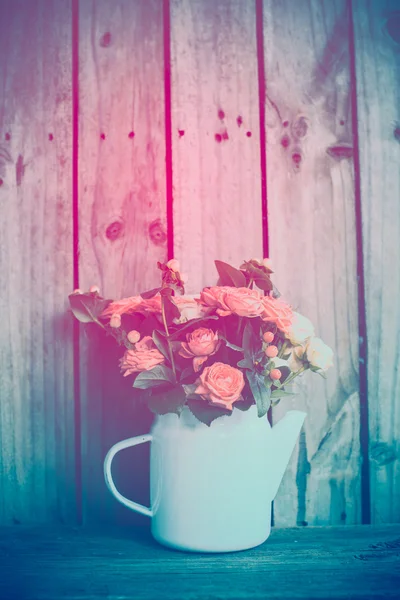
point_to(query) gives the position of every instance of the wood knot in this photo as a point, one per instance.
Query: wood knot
(297, 158)
(221, 114)
(105, 39)
(114, 230)
(382, 454)
(300, 127)
(339, 151)
(392, 26)
(285, 141)
(157, 233)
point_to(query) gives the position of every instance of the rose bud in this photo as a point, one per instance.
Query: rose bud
(94, 289)
(267, 263)
(77, 291)
(173, 264)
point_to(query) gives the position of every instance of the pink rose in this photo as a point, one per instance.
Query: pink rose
(212, 296)
(152, 305)
(277, 311)
(144, 357)
(124, 306)
(231, 300)
(220, 384)
(199, 345)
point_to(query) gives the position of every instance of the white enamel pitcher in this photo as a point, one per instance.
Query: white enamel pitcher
(211, 488)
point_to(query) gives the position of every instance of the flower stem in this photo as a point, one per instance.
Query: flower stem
(171, 355)
(282, 350)
(293, 375)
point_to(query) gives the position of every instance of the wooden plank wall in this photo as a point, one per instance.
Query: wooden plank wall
(123, 221)
(377, 62)
(37, 472)
(214, 92)
(179, 150)
(313, 246)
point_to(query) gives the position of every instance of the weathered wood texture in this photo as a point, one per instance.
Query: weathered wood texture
(377, 54)
(320, 563)
(122, 217)
(215, 136)
(217, 213)
(37, 479)
(313, 245)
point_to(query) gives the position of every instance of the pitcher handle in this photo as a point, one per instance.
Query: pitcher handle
(140, 439)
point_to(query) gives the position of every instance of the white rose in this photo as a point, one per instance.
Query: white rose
(300, 330)
(189, 308)
(319, 354)
(295, 359)
(173, 264)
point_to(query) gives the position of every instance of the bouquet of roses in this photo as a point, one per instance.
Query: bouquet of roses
(231, 346)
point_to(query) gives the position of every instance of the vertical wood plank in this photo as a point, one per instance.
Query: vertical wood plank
(122, 215)
(312, 240)
(215, 136)
(377, 53)
(37, 479)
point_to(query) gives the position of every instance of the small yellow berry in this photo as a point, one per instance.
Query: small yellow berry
(115, 321)
(133, 336)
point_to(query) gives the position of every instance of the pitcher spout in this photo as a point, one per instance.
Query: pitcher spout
(284, 437)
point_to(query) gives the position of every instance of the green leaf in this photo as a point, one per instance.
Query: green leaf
(228, 343)
(244, 403)
(264, 283)
(159, 375)
(204, 412)
(150, 293)
(161, 344)
(319, 371)
(188, 372)
(245, 363)
(275, 292)
(229, 275)
(250, 342)
(260, 392)
(171, 310)
(281, 394)
(88, 307)
(168, 400)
